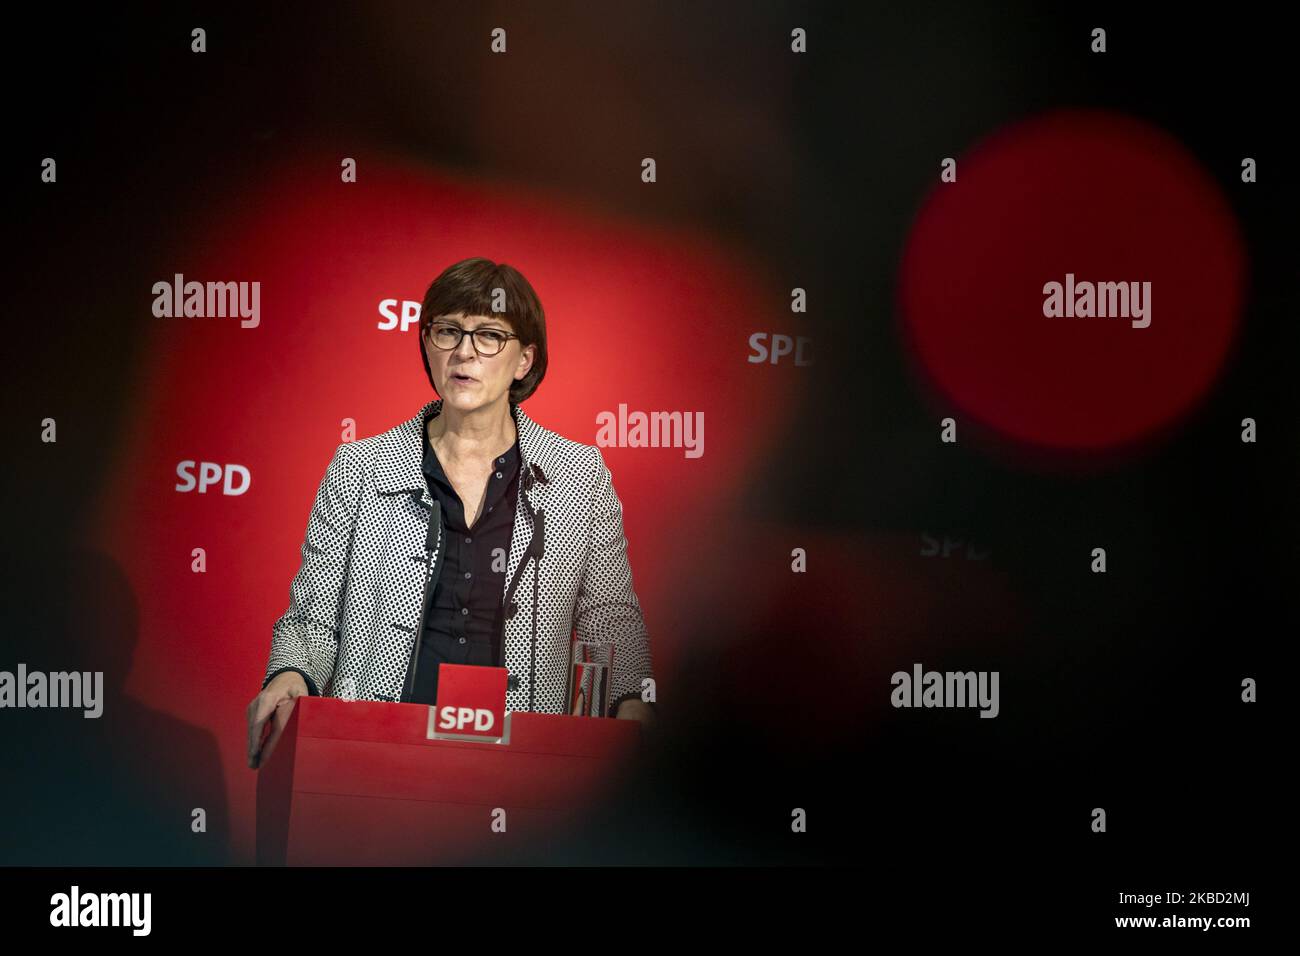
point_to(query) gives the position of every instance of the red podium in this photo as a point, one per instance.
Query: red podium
(360, 783)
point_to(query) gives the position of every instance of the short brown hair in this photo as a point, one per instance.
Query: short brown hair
(465, 288)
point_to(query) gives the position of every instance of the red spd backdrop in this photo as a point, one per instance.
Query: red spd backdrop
(626, 305)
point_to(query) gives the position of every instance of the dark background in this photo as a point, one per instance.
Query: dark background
(816, 164)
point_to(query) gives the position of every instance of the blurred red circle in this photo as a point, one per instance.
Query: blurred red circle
(1103, 198)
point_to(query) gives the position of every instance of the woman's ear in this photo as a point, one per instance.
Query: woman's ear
(525, 361)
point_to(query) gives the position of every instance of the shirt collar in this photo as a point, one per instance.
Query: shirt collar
(507, 464)
(400, 453)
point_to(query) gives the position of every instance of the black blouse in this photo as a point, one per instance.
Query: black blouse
(464, 620)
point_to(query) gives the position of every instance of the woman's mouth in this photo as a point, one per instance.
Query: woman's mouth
(463, 379)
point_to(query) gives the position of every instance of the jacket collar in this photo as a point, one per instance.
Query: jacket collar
(400, 458)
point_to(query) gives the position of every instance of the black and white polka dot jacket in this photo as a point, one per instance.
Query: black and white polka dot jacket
(371, 547)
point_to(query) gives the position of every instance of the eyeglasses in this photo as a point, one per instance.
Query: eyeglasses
(485, 341)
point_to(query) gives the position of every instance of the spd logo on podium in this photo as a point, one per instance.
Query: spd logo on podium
(471, 704)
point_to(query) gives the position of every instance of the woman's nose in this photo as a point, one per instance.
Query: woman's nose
(466, 347)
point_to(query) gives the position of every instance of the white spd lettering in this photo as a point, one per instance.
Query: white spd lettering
(458, 718)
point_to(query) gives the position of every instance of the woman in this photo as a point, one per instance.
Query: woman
(468, 534)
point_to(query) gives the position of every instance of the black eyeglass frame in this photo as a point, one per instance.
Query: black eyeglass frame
(473, 337)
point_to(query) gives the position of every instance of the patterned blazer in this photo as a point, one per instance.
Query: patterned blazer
(371, 548)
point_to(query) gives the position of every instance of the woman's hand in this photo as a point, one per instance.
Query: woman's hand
(276, 700)
(634, 708)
